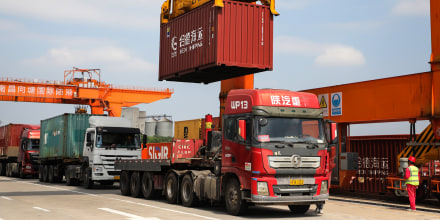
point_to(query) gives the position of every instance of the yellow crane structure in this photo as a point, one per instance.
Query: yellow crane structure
(174, 8)
(80, 87)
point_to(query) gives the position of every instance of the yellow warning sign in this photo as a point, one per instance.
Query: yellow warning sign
(323, 103)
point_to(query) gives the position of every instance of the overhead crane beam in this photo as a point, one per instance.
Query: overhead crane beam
(99, 96)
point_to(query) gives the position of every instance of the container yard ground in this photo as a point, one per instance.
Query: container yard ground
(427, 205)
(30, 199)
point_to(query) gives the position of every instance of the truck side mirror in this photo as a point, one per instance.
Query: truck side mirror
(330, 130)
(242, 130)
(144, 140)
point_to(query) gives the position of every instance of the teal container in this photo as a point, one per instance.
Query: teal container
(62, 137)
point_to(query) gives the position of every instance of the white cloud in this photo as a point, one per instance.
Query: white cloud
(110, 58)
(412, 7)
(111, 13)
(325, 54)
(340, 55)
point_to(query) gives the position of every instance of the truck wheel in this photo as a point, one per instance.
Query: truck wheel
(125, 183)
(8, 170)
(148, 186)
(40, 175)
(88, 182)
(45, 173)
(69, 180)
(235, 205)
(171, 188)
(50, 174)
(299, 209)
(2, 169)
(135, 185)
(20, 172)
(187, 191)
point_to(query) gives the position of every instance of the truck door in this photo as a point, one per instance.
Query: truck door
(237, 151)
(89, 145)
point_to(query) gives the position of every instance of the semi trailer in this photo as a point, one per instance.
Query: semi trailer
(83, 148)
(273, 149)
(19, 145)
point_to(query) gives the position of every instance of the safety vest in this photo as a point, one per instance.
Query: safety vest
(414, 177)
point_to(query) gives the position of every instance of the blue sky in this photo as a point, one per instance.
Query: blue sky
(317, 43)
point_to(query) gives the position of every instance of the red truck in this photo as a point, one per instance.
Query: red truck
(19, 144)
(273, 150)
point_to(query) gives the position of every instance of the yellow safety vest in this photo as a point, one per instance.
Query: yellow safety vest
(414, 177)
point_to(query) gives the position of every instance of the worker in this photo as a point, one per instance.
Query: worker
(412, 182)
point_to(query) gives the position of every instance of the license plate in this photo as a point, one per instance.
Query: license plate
(117, 177)
(296, 182)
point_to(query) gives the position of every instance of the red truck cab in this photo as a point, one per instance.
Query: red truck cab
(274, 143)
(29, 151)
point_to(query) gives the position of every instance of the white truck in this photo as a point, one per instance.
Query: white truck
(83, 148)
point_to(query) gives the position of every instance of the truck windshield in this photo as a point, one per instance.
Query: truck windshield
(289, 130)
(118, 140)
(35, 144)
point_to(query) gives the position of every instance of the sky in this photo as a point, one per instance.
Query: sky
(317, 43)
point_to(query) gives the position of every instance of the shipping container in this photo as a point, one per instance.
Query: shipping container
(377, 159)
(210, 44)
(10, 139)
(63, 136)
(193, 129)
(189, 129)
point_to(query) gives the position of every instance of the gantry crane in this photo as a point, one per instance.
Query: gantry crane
(401, 98)
(81, 87)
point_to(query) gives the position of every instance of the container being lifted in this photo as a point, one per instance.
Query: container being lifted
(209, 44)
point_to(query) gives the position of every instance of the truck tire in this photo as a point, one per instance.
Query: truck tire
(45, 173)
(20, 172)
(50, 174)
(171, 188)
(148, 186)
(68, 179)
(88, 182)
(8, 170)
(187, 191)
(125, 183)
(235, 205)
(2, 169)
(135, 185)
(40, 175)
(299, 209)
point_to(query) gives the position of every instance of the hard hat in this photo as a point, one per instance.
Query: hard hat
(412, 159)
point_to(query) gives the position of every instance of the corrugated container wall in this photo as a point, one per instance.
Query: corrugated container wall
(63, 136)
(210, 44)
(193, 129)
(189, 129)
(10, 138)
(377, 159)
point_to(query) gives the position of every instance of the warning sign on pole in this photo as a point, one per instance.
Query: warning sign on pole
(323, 103)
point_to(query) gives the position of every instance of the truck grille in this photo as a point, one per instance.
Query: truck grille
(109, 160)
(294, 161)
(286, 190)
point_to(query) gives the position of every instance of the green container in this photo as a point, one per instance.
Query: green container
(62, 137)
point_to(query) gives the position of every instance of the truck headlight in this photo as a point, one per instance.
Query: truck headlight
(262, 188)
(98, 169)
(324, 187)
